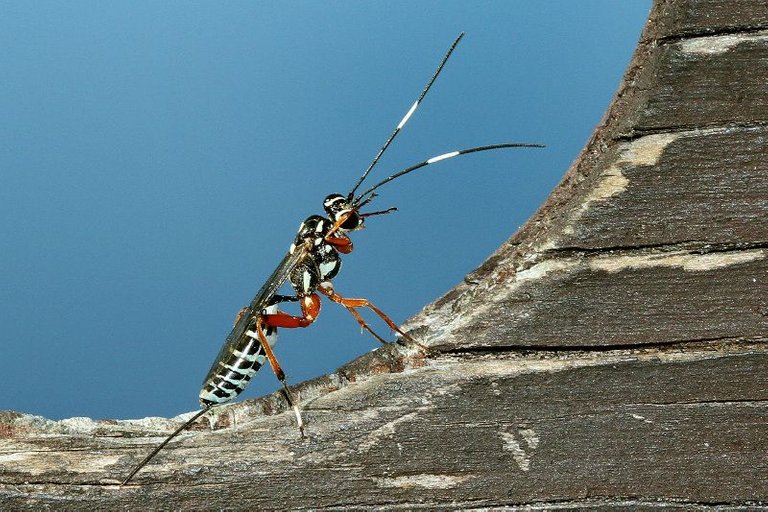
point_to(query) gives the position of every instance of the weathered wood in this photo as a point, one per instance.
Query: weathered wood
(590, 428)
(696, 187)
(704, 81)
(614, 299)
(612, 354)
(674, 19)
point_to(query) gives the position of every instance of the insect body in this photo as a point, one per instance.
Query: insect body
(312, 261)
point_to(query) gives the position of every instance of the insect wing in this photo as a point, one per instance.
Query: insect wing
(237, 337)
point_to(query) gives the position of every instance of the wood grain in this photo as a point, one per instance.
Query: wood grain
(611, 355)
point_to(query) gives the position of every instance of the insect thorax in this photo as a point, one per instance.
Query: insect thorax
(323, 262)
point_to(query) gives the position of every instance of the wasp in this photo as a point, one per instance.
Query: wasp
(312, 262)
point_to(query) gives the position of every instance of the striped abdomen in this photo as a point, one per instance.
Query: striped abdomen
(234, 369)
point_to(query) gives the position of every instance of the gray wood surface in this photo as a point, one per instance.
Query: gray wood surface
(611, 355)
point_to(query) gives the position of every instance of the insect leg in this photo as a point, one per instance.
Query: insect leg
(353, 304)
(276, 299)
(332, 232)
(310, 308)
(279, 373)
(339, 241)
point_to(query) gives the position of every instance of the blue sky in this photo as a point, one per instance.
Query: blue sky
(157, 158)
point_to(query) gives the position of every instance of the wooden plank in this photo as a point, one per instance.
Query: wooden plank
(702, 186)
(561, 430)
(700, 17)
(701, 82)
(604, 300)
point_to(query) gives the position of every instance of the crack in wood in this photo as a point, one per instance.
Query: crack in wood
(690, 246)
(723, 345)
(714, 45)
(690, 129)
(747, 30)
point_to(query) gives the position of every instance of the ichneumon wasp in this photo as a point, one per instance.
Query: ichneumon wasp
(313, 260)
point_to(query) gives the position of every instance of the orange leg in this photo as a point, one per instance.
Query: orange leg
(279, 373)
(310, 308)
(353, 304)
(341, 242)
(275, 300)
(336, 226)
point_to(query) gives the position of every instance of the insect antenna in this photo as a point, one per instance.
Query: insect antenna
(407, 116)
(380, 212)
(361, 199)
(178, 431)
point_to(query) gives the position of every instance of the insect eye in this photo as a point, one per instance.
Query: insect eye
(353, 221)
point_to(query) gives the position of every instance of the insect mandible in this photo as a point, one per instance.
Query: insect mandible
(313, 260)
